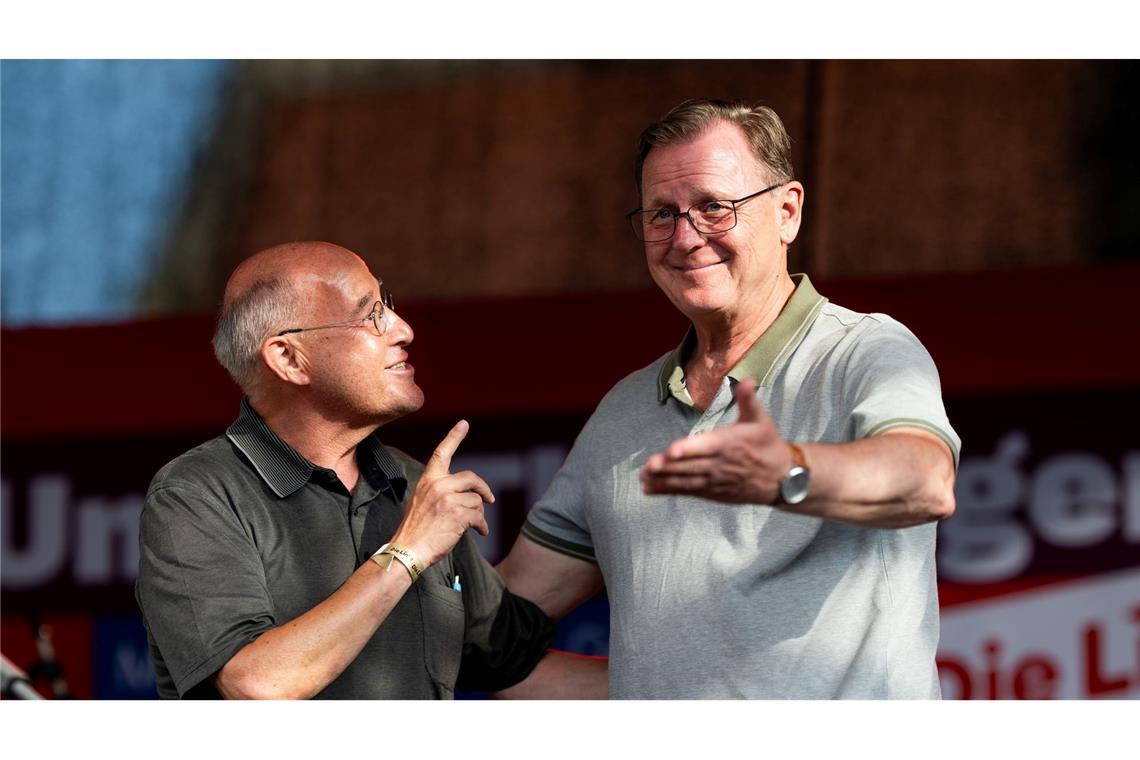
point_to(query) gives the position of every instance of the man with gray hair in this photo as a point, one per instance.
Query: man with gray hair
(296, 556)
(761, 501)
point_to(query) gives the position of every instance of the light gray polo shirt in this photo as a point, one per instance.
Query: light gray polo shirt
(712, 600)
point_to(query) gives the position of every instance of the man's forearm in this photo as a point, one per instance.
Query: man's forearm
(902, 477)
(893, 480)
(556, 582)
(298, 659)
(562, 675)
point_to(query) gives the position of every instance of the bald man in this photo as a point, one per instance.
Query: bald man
(296, 556)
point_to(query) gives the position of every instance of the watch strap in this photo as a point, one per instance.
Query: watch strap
(798, 458)
(799, 467)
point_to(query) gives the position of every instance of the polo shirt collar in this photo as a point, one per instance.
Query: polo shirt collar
(766, 353)
(285, 470)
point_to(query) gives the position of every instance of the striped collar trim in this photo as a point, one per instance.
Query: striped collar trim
(766, 354)
(285, 470)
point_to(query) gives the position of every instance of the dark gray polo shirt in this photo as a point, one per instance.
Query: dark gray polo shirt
(242, 534)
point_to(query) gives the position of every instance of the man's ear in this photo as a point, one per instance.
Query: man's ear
(285, 359)
(791, 210)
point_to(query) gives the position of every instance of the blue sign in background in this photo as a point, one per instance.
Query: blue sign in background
(121, 661)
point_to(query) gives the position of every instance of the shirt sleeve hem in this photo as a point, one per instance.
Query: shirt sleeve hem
(899, 422)
(560, 545)
(205, 669)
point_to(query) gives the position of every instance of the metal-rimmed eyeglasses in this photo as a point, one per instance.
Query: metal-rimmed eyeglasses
(657, 225)
(378, 317)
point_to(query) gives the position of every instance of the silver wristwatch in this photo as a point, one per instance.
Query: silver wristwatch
(794, 487)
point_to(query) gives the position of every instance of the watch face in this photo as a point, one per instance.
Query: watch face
(794, 487)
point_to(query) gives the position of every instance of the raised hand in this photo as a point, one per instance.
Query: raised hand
(444, 504)
(742, 463)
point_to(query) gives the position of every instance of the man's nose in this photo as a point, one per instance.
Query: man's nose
(399, 331)
(686, 235)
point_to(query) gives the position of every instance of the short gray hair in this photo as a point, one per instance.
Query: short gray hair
(761, 127)
(263, 309)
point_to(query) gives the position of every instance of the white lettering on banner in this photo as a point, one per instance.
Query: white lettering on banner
(1072, 500)
(501, 472)
(103, 529)
(1075, 641)
(532, 470)
(102, 524)
(1132, 497)
(982, 542)
(99, 535)
(42, 556)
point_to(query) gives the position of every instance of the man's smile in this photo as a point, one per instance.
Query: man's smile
(400, 366)
(697, 266)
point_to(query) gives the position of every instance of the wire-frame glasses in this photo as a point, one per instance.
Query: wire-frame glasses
(659, 224)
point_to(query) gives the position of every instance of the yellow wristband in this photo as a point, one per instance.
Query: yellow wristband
(406, 557)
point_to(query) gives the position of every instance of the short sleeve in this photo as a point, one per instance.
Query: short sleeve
(890, 381)
(201, 583)
(558, 520)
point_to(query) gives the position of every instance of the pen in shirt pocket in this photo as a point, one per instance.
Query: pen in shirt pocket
(455, 584)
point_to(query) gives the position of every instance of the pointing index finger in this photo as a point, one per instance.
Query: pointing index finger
(441, 458)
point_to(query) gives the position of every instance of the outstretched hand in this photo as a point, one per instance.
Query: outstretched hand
(742, 463)
(444, 505)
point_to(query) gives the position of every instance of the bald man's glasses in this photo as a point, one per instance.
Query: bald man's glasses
(656, 225)
(378, 316)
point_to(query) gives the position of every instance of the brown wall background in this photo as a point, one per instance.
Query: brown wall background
(495, 178)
